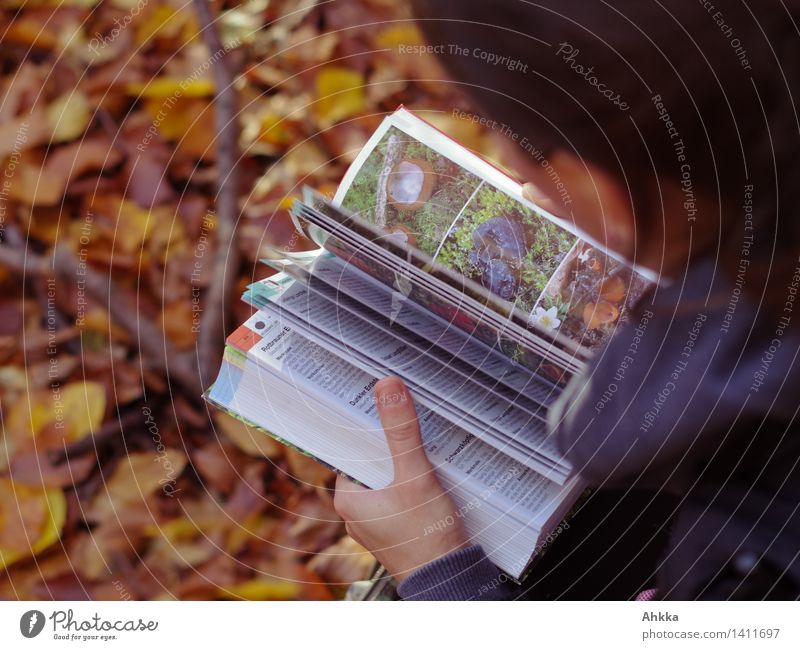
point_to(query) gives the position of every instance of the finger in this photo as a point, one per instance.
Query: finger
(399, 419)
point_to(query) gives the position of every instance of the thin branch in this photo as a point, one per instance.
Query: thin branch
(218, 297)
(103, 436)
(152, 342)
(16, 240)
(389, 162)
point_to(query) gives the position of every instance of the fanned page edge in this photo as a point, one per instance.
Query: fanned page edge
(418, 262)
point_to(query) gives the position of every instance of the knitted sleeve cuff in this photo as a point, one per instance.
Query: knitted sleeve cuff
(466, 574)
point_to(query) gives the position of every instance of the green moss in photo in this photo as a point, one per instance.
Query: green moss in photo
(430, 223)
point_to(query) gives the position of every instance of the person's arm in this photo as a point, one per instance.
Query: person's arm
(465, 574)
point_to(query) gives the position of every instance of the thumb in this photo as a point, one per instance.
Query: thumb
(399, 419)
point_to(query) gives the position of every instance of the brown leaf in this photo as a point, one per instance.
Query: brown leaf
(136, 477)
(38, 470)
(216, 467)
(46, 185)
(179, 324)
(148, 184)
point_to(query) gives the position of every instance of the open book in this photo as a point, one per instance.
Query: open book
(432, 267)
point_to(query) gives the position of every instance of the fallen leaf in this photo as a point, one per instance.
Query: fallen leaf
(47, 419)
(46, 184)
(30, 520)
(215, 467)
(68, 116)
(343, 563)
(340, 94)
(136, 477)
(261, 589)
(38, 470)
(168, 88)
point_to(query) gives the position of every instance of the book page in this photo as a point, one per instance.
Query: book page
(361, 295)
(427, 192)
(397, 308)
(497, 411)
(529, 444)
(461, 301)
(346, 388)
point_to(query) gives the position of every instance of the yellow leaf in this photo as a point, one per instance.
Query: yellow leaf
(262, 589)
(167, 88)
(68, 116)
(84, 404)
(178, 529)
(403, 34)
(134, 226)
(75, 409)
(340, 93)
(175, 122)
(274, 130)
(43, 533)
(163, 21)
(286, 203)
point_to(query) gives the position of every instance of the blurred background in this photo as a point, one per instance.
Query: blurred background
(150, 150)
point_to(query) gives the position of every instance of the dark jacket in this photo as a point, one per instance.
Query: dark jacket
(696, 398)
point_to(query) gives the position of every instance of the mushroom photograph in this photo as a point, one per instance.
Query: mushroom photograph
(588, 296)
(410, 191)
(506, 247)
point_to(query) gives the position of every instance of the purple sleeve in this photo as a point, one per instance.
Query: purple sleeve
(466, 574)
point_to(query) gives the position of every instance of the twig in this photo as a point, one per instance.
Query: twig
(383, 177)
(16, 240)
(211, 338)
(104, 435)
(152, 342)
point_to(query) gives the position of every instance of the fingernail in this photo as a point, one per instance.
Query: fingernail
(390, 392)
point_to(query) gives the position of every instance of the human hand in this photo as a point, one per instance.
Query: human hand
(412, 521)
